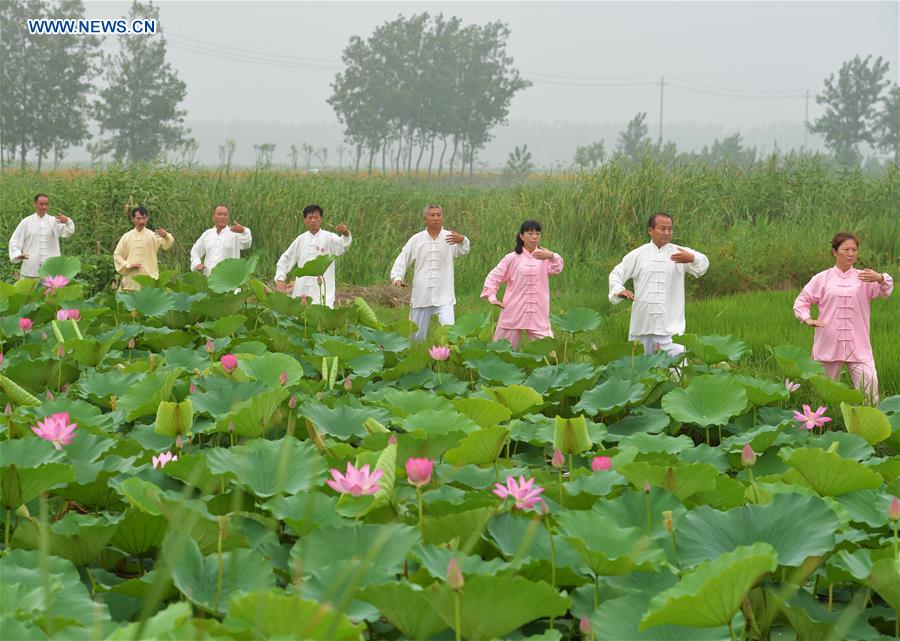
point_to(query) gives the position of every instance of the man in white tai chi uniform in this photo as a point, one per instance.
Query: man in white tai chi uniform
(221, 242)
(658, 270)
(312, 243)
(36, 237)
(433, 251)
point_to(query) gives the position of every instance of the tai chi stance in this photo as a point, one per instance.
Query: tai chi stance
(433, 251)
(36, 237)
(526, 271)
(222, 241)
(842, 328)
(137, 249)
(658, 270)
(312, 243)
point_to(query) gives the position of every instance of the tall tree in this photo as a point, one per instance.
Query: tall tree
(633, 142)
(590, 156)
(887, 126)
(139, 108)
(851, 106)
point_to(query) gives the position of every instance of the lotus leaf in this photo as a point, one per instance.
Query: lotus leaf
(762, 392)
(869, 422)
(407, 606)
(579, 319)
(251, 417)
(384, 545)
(830, 474)
(611, 395)
(606, 550)
(485, 412)
(707, 400)
(479, 447)
(67, 266)
(796, 362)
(493, 368)
(569, 378)
(714, 349)
(148, 301)
(619, 619)
(271, 614)
(268, 468)
(315, 267)
(174, 419)
(834, 392)
(571, 435)
(80, 538)
(229, 274)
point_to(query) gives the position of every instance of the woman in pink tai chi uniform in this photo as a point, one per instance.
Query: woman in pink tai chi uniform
(842, 294)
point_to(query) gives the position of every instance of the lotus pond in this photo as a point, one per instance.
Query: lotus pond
(187, 462)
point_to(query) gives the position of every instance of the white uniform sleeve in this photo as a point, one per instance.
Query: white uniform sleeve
(287, 261)
(198, 251)
(398, 271)
(17, 242)
(620, 274)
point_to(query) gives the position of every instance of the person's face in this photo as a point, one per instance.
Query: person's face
(434, 218)
(846, 253)
(531, 239)
(661, 232)
(220, 217)
(313, 222)
(41, 205)
(139, 220)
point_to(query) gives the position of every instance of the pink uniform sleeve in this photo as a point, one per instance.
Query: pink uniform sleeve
(497, 276)
(880, 290)
(555, 264)
(811, 295)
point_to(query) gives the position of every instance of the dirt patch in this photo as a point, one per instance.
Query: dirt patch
(380, 295)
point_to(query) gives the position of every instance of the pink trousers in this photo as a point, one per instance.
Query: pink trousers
(862, 374)
(513, 335)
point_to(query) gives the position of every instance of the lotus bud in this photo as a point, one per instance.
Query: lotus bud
(62, 315)
(292, 402)
(192, 388)
(748, 456)
(231, 427)
(112, 403)
(60, 350)
(25, 324)
(49, 395)
(131, 343)
(603, 463)
(454, 575)
(646, 487)
(392, 439)
(134, 314)
(418, 470)
(74, 314)
(229, 362)
(8, 409)
(179, 442)
(1, 359)
(558, 460)
(667, 520)
(348, 384)
(65, 388)
(584, 626)
(210, 347)
(43, 335)
(894, 509)
(283, 378)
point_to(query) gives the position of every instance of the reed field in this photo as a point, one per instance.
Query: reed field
(767, 227)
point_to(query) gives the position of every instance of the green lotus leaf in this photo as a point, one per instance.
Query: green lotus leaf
(478, 448)
(141, 494)
(629, 510)
(869, 422)
(384, 545)
(609, 551)
(231, 273)
(595, 483)
(494, 368)
(435, 560)
(251, 418)
(139, 533)
(156, 626)
(493, 606)
(469, 325)
(225, 326)
(87, 351)
(144, 398)
(387, 463)
(148, 301)
(268, 369)
(315, 267)
(714, 349)
(579, 319)
(611, 395)
(647, 443)
(103, 385)
(571, 435)
(527, 540)
(268, 468)
(762, 392)
(407, 606)
(707, 400)
(883, 579)
(712, 593)
(197, 577)
(225, 305)
(648, 420)
(80, 538)
(345, 349)
(20, 486)
(67, 266)
(271, 614)
(798, 527)
(36, 375)
(683, 480)
(619, 619)
(17, 394)
(812, 621)
(29, 452)
(760, 438)
(834, 392)
(221, 395)
(484, 412)
(517, 398)
(406, 402)
(467, 526)
(890, 405)
(173, 419)
(162, 338)
(305, 511)
(830, 474)
(570, 378)
(187, 358)
(439, 422)
(342, 421)
(796, 362)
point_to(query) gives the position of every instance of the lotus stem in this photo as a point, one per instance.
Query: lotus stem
(830, 595)
(457, 618)
(596, 592)
(731, 630)
(219, 555)
(44, 547)
(647, 511)
(561, 492)
(421, 512)
(6, 531)
(753, 485)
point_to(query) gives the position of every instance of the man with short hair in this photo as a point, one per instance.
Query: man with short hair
(136, 252)
(312, 243)
(222, 241)
(433, 251)
(658, 270)
(36, 238)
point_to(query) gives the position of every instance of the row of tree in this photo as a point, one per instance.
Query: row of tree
(53, 86)
(425, 84)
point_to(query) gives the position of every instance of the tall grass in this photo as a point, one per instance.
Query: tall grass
(765, 227)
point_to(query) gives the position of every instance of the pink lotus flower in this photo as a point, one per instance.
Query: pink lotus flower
(348, 384)
(525, 493)
(210, 347)
(894, 509)
(282, 378)
(418, 471)
(292, 401)
(62, 315)
(74, 314)
(748, 456)
(790, 385)
(557, 460)
(229, 362)
(811, 419)
(25, 324)
(603, 463)
(454, 575)
(584, 625)
(159, 462)
(56, 429)
(50, 396)
(52, 283)
(439, 352)
(1, 358)
(356, 482)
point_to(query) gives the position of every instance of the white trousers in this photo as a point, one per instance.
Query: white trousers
(653, 342)
(421, 316)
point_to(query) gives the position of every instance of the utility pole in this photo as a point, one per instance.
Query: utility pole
(662, 84)
(806, 120)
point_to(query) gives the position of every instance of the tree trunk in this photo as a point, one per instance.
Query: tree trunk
(371, 159)
(431, 158)
(384, 157)
(453, 157)
(441, 161)
(421, 153)
(409, 151)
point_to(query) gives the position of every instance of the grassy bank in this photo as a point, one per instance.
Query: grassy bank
(763, 228)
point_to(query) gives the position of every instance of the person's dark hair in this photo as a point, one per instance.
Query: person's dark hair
(840, 238)
(652, 222)
(215, 207)
(39, 195)
(139, 210)
(528, 225)
(310, 209)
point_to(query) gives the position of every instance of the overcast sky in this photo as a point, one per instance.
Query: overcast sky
(275, 61)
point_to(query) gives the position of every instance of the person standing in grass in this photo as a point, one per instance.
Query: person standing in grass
(842, 294)
(526, 271)
(658, 270)
(433, 251)
(312, 243)
(137, 249)
(36, 237)
(222, 241)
